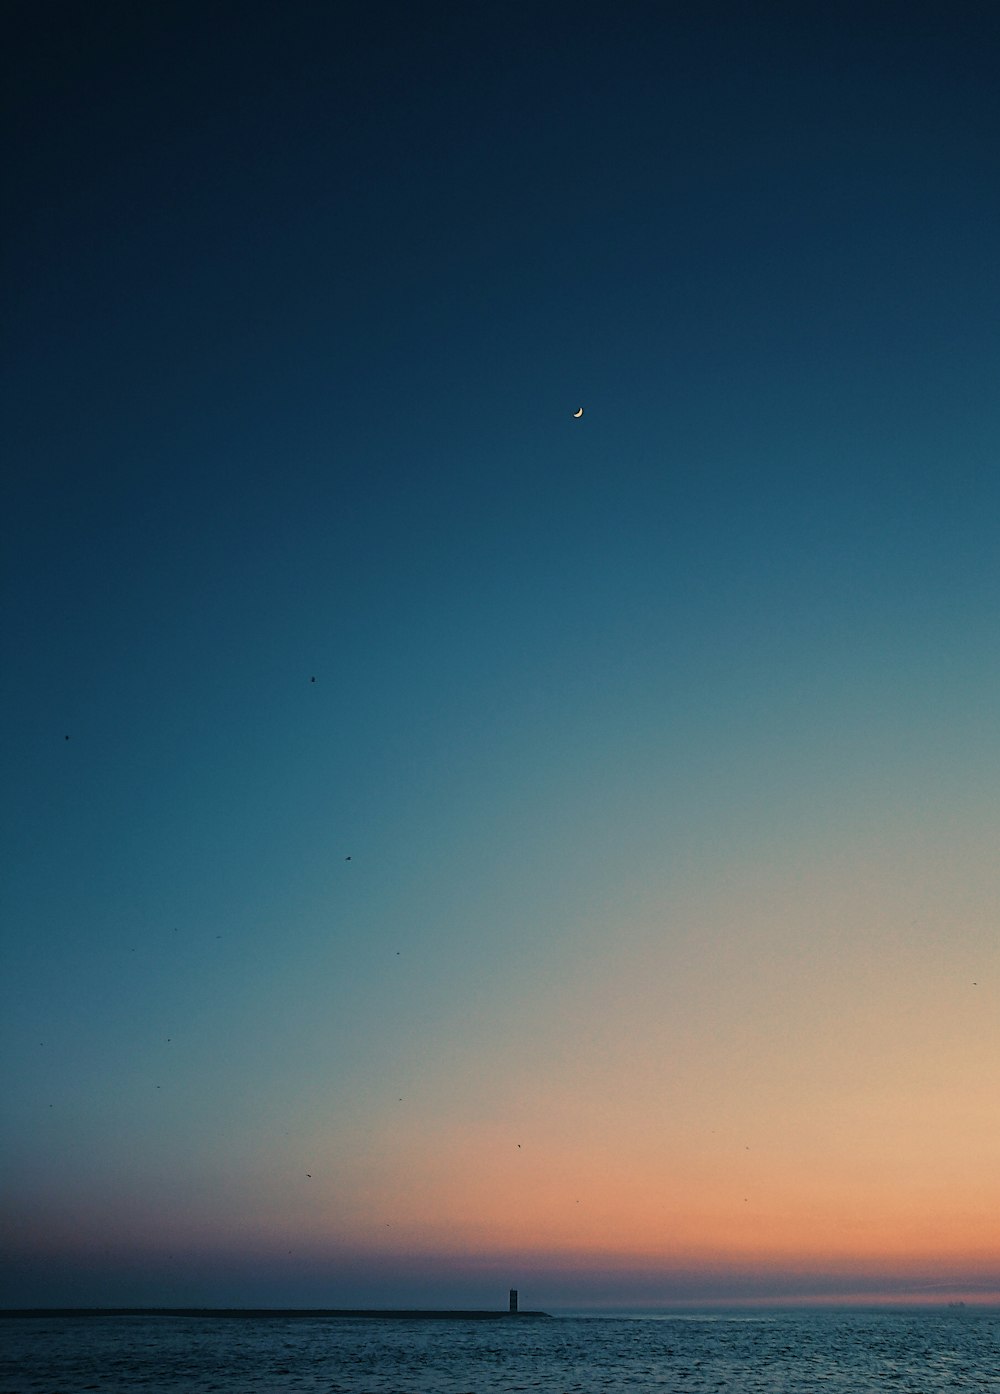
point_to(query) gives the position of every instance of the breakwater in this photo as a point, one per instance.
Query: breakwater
(259, 1313)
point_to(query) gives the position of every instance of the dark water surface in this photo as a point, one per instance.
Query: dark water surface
(766, 1353)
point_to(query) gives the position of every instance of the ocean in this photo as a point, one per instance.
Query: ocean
(837, 1352)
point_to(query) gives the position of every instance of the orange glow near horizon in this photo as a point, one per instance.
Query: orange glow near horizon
(750, 1084)
(822, 1098)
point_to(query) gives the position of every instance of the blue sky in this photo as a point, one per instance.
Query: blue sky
(443, 767)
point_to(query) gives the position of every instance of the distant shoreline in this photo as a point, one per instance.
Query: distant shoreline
(383, 1313)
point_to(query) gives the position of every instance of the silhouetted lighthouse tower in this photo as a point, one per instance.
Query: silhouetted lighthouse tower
(513, 1301)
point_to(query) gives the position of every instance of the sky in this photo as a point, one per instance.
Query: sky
(451, 843)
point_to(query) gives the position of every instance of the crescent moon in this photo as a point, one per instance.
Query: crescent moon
(579, 413)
